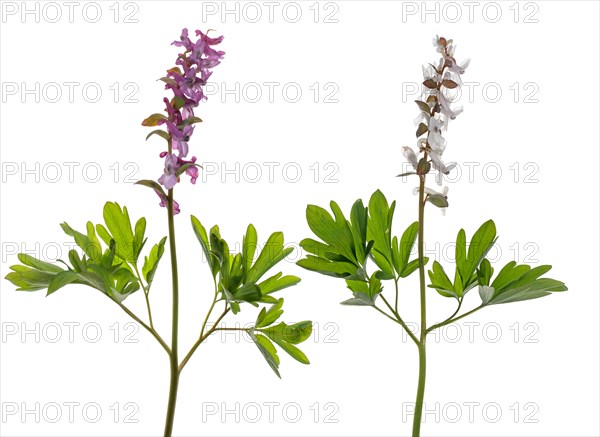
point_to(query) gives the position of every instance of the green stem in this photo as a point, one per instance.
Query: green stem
(202, 338)
(148, 328)
(447, 322)
(210, 310)
(174, 361)
(420, 391)
(460, 301)
(398, 319)
(396, 303)
(146, 294)
(423, 334)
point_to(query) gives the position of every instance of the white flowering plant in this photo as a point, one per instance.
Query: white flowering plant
(347, 246)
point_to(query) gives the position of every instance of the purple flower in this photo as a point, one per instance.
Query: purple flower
(169, 177)
(184, 40)
(180, 137)
(173, 163)
(164, 202)
(191, 171)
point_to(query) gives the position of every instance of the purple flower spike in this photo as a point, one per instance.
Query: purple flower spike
(186, 80)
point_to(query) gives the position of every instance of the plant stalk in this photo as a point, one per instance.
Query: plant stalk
(423, 331)
(173, 357)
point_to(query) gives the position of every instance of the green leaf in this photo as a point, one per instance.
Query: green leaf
(516, 283)
(202, 237)
(485, 272)
(374, 287)
(160, 133)
(407, 242)
(423, 166)
(379, 230)
(153, 120)
(330, 231)
(359, 299)
(412, 266)
(138, 240)
(326, 267)
(181, 170)
(271, 254)
(62, 279)
(267, 350)
(189, 120)
(294, 334)
(151, 261)
(90, 248)
(177, 102)
(358, 219)
(460, 254)
(387, 271)
(316, 247)
(96, 251)
(119, 225)
(482, 241)
(438, 200)
(249, 244)
(248, 293)
(277, 282)
(509, 273)
(266, 318)
(77, 263)
(529, 276)
(169, 81)
(292, 350)
(28, 279)
(152, 184)
(358, 286)
(533, 290)
(30, 261)
(286, 336)
(440, 281)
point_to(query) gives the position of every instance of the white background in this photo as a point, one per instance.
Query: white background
(538, 358)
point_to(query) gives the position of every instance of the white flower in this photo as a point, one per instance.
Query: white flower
(436, 142)
(430, 73)
(444, 191)
(438, 164)
(450, 49)
(454, 67)
(410, 156)
(430, 192)
(436, 43)
(446, 109)
(437, 123)
(450, 75)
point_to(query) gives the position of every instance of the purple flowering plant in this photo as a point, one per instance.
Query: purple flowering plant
(347, 248)
(110, 258)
